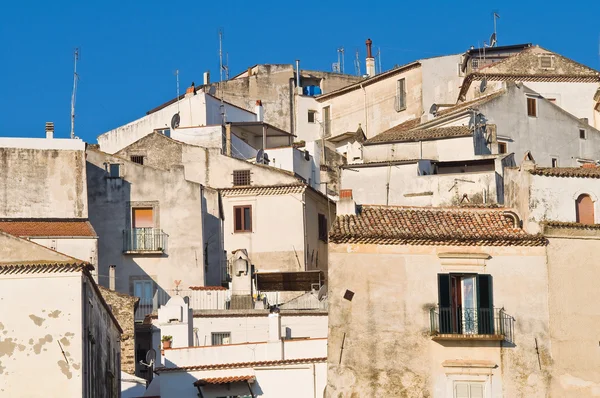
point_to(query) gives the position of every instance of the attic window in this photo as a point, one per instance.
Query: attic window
(241, 177)
(546, 62)
(531, 107)
(137, 159)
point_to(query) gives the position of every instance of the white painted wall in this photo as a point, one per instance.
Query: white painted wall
(85, 249)
(205, 136)
(306, 131)
(293, 160)
(42, 143)
(441, 81)
(449, 149)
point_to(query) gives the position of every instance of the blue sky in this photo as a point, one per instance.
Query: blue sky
(131, 49)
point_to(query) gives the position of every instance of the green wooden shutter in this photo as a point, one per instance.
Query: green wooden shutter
(485, 304)
(445, 315)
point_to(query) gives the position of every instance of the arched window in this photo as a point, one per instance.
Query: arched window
(584, 209)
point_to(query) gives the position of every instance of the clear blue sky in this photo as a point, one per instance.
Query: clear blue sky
(131, 49)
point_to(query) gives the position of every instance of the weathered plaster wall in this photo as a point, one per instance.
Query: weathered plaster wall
(84, 249)
(441, 81)
(214, 258)
(387, 350)
(450, 149)
(573, 269)
(316, 249)
(42, 183)
(178, 214)
(123, 308)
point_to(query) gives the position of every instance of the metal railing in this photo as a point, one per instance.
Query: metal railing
(471, 322)
(144, 240)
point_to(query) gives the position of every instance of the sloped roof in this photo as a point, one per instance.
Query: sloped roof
(207, 288)
(241, 365)
(267, 190)
(223, 380)
(47, 227)
(391, 225)
(28, 267)
(420, 135)
(586, 172)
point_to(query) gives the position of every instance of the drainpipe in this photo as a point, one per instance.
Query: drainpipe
(305, 232)
(314, 381)
(366, 111)
(228, 139)
(264, 136)
(297, 74)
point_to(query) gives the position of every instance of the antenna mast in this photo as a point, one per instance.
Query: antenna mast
(378, 56)
(74, 93)
(341, 59)
(177, 78)
(357, 64)
(496, 16)
(222, 66)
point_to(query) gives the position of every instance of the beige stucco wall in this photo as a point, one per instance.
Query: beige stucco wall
(387, 349)
(42, 183)
(179, 204)
(348, 110)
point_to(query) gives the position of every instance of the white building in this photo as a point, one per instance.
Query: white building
(55, 324)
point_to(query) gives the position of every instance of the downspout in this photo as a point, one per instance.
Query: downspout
(314, 381)
(366, 111)
(305, 232)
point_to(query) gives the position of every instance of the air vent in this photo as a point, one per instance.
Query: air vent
(546, 62)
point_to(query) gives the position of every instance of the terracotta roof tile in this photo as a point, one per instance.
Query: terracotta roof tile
(588, 172)
(420, 134)
(223, 380)
(45, 227)
(566, 224)
(36, 267)
(240, 365)
(207, 288)
(264, 190)
(431, 226)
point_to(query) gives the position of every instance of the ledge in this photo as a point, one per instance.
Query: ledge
(468, 337)
(143, 252)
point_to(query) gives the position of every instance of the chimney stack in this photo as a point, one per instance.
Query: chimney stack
(346, 206)
(206, 78)
(258, 109)
(49, 130)
(370, 59)
(111, 277)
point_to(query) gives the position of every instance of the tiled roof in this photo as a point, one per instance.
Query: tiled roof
(567, 172)
(223, 380)
(477, 101)
(205, 288)
(45, 227)
(420, 134)
(264, 190)
(577, 225)
(37, 267)
(241, 365)
(431, 226)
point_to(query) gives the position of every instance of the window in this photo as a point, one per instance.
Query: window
(142, 217)
(582, 134)
(137, 159)
(546, 62)
(466, 304)
(584, 211)
(327, 121)
(114, 170)
(400, 102)
(502, 148)
(241, 177)
(475, 63)
(242, 216)
(322, 227)
(468, 389)
(220, 338)
(554, 162)
(144, 289)
(166, 132)
(531, 107)
(311, 116)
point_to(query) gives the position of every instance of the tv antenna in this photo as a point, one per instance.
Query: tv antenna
(177, 79)
(378, 58)
(357, 64)
(493, 43)
(74, 93)
(222, 67)
(340, 62)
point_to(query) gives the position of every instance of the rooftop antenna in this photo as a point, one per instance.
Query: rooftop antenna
(222, 67)
(357, 64)
(496, 16)
(340, 52)
(378, 58)
(74, 94)
(177, 79)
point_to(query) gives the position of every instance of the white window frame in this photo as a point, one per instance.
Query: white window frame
(452, 379)
(400, 101)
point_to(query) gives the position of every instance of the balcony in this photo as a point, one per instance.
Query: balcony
(475, 324)
(144, 241)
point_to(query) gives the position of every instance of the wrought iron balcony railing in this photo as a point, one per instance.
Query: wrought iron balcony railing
(456, 323)
(144, 240)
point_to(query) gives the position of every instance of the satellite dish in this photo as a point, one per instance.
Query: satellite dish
(175, 121)
(493, 40)
(266, 159)
(260, 156)
(434, 109)
(483, 85)
(151, 356)
(322, 292)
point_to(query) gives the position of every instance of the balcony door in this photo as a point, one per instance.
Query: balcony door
(144, 289)
(143, 228)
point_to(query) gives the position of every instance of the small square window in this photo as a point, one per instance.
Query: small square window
(502, 147)
(241, 177)
(220, 338)
(531, 107)
(114, 170)
(554, 162)
(137, 159)
(582, 134)
(312, 116)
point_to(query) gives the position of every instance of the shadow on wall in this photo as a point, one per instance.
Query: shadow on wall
(213, 243)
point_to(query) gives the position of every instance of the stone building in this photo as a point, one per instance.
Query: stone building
(430, 302)
(55, 324)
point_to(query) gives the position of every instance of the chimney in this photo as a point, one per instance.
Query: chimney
(346, 205)
(370, 59)
(111, 277)
(191, 90)
(49, 130)
(258, 109)
(206, 78)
